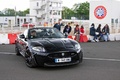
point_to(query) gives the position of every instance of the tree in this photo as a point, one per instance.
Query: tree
(26, 11)
(20, 13)
(79, 11)
(82, 10)
(67, 13)
(12, 12)
(23, 13)
(9, 12)
(1, 13)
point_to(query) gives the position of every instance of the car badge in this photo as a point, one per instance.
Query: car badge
(63, 54)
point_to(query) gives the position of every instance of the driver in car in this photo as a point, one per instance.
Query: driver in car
(33, 34)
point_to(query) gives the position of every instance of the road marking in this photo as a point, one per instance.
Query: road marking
(7, 53)
(102, 59)
(99, 59)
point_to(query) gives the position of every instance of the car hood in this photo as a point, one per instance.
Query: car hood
(54, 44)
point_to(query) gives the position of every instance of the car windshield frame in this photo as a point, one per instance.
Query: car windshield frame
(45, 33)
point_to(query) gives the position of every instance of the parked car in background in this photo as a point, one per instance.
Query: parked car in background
(46, 46)
(26, 24)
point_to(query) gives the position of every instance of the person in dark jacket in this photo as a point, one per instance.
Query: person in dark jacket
(106, 32)
(67, 29)
(99, 32)
(92, 32)
(58, 25)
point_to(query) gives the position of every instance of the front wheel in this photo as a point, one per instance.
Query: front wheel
(30, 61)
(81, 56)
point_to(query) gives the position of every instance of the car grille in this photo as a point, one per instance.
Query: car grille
(61, 55)
(51, 49)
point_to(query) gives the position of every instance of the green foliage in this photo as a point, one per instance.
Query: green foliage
(79, 10)
(1, 13)
(12, 12)
(67, 13)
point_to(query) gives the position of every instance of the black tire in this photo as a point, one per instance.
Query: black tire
(17, 51)
(30, 61)
(81, 56)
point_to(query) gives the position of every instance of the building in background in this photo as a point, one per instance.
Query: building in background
(46, 11)
(8, 21)
(17, 21)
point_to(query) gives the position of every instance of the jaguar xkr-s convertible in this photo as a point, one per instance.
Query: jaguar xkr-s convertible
(47, 46)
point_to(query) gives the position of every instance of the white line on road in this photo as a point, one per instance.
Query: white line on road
(99, 59)
(102, 59)
(7, 53)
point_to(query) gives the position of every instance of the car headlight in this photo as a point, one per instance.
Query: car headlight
(38, 48)
(78, 47)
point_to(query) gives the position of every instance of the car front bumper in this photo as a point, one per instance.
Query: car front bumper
(49, 60)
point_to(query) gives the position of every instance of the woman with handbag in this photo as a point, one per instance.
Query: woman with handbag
(106, 32)
(77, 33)
(99, 33)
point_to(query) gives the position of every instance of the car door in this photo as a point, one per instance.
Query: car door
(23, 42)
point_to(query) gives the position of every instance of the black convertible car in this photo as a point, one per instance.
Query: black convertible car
(46, 46)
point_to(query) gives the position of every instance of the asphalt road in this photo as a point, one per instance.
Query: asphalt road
(101, 62)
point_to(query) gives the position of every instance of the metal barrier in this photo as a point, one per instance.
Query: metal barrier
(8, 35)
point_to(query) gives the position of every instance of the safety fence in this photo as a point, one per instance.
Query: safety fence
(87, 38)
(9, 38)
(8, 35)
(12, 30)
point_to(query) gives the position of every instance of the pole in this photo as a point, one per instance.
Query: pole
(3, 30)
(15, 16)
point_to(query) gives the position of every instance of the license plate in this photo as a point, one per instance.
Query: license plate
(59, 60)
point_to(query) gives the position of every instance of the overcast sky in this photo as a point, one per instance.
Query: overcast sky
(24, 4)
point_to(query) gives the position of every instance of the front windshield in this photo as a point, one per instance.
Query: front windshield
(45, 33)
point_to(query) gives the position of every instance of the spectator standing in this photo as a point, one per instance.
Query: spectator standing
(77, 33)
(81, 33)
(58, 25)
(106, 32)
(67, 29)
(92, 32)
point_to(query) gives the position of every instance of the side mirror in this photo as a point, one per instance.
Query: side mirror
(22, 36)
